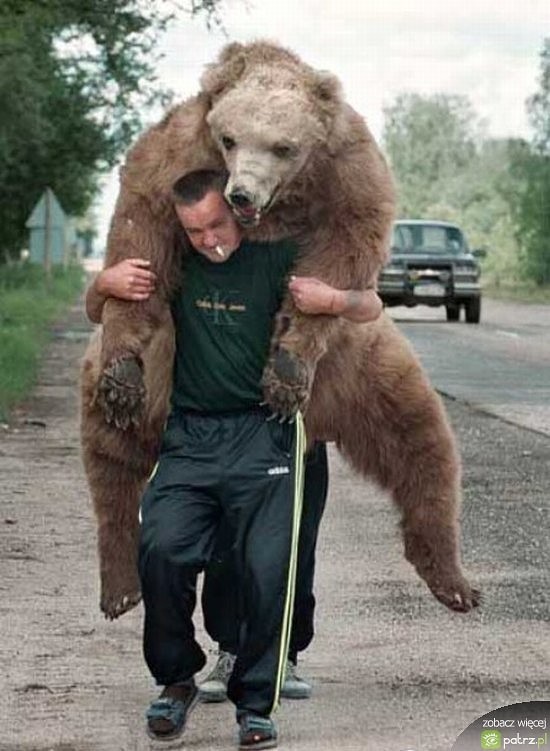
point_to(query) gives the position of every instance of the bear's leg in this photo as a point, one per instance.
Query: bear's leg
(117, 465)
(116, 492)
(431, 537)
(400, 435)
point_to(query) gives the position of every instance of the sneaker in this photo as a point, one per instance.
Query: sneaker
(167, 715)
(293, 686)
(214, 686)
(256, 732)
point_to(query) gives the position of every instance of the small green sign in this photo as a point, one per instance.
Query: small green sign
(491, 739)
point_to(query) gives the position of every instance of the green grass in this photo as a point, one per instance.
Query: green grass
(518, 291)
(29, 303)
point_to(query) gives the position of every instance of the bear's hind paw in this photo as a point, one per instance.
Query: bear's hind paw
(459, 599)
(114, 607)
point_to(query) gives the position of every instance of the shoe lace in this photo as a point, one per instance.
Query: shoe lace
(223, 667)
(290, 674)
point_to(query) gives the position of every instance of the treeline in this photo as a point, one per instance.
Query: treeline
(497, 189)
(74, 77)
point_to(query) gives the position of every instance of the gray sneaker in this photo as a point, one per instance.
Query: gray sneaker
(293, 686)
(214, 686)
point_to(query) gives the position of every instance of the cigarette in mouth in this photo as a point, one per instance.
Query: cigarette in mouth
(220, 251)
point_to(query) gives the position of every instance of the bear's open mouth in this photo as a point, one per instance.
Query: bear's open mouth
(248, 216)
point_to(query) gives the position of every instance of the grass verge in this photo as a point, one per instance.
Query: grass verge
(518, 292)
(29, 303)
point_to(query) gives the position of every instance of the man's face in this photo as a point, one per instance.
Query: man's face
(210, 224)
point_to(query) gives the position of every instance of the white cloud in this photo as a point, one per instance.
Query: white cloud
(485, 49)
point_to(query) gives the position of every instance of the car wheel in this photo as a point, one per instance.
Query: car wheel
(473, 310)
(453, 312)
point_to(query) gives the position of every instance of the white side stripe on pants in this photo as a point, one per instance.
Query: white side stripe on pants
(300, 447)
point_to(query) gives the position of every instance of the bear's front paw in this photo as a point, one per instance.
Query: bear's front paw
(121, 393)
(456, 594)
(286, 382)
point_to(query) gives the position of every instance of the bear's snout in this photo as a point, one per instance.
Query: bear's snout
(241, 198)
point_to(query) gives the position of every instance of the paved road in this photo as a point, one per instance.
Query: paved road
(502, 365)
(392, 669)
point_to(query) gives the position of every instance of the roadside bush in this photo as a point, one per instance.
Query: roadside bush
(29, 303)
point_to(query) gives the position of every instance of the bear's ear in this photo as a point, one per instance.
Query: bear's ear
(326, 87)
(226, 71)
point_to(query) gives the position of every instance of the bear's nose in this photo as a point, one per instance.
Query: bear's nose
(240, 198)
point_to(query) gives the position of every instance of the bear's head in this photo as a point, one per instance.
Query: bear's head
(269, 112)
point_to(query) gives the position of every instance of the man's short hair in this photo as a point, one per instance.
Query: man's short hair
(193, 186)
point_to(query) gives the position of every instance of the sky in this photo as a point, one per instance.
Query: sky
(487, 50)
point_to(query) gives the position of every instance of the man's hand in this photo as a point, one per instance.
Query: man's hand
(130, 279)
(314, 297)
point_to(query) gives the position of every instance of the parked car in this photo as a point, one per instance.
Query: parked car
(431, 264)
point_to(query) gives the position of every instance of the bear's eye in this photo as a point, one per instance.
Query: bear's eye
(227, 143)
(284, 151)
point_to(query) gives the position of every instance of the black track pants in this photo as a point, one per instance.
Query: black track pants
(220, 600)
(246, 472)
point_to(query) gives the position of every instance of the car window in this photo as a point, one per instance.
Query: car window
(427, 238)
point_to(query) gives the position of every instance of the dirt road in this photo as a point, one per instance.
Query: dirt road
(392, 669)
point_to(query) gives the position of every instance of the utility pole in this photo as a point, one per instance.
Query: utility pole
(47, 233)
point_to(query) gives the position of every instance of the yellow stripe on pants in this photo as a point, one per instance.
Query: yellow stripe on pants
(300, 447)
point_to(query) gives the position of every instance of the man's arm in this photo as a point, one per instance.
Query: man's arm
(314, 297)
(130, 279)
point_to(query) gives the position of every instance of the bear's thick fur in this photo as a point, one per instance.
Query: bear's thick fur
(302, 164)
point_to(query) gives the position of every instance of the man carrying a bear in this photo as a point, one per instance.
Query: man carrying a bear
(222, 458)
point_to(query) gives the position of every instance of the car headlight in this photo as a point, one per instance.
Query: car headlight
(393, 267)
(465, 271)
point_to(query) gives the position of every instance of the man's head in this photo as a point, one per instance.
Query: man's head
(205, 216)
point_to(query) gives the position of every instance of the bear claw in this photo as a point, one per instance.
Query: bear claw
(286, 383)
(459, 602)
(121, 393)
(113, 607)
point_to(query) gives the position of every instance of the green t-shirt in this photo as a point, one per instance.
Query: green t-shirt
(223, 317)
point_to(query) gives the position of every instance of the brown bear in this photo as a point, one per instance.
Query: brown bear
(301, 164)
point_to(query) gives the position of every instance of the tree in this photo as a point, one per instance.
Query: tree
(74, 77)
(486, 195)
(539, 104)
(533, 206)
(445, 169)
(429, 140)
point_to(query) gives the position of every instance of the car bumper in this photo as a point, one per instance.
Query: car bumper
(397, 293)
